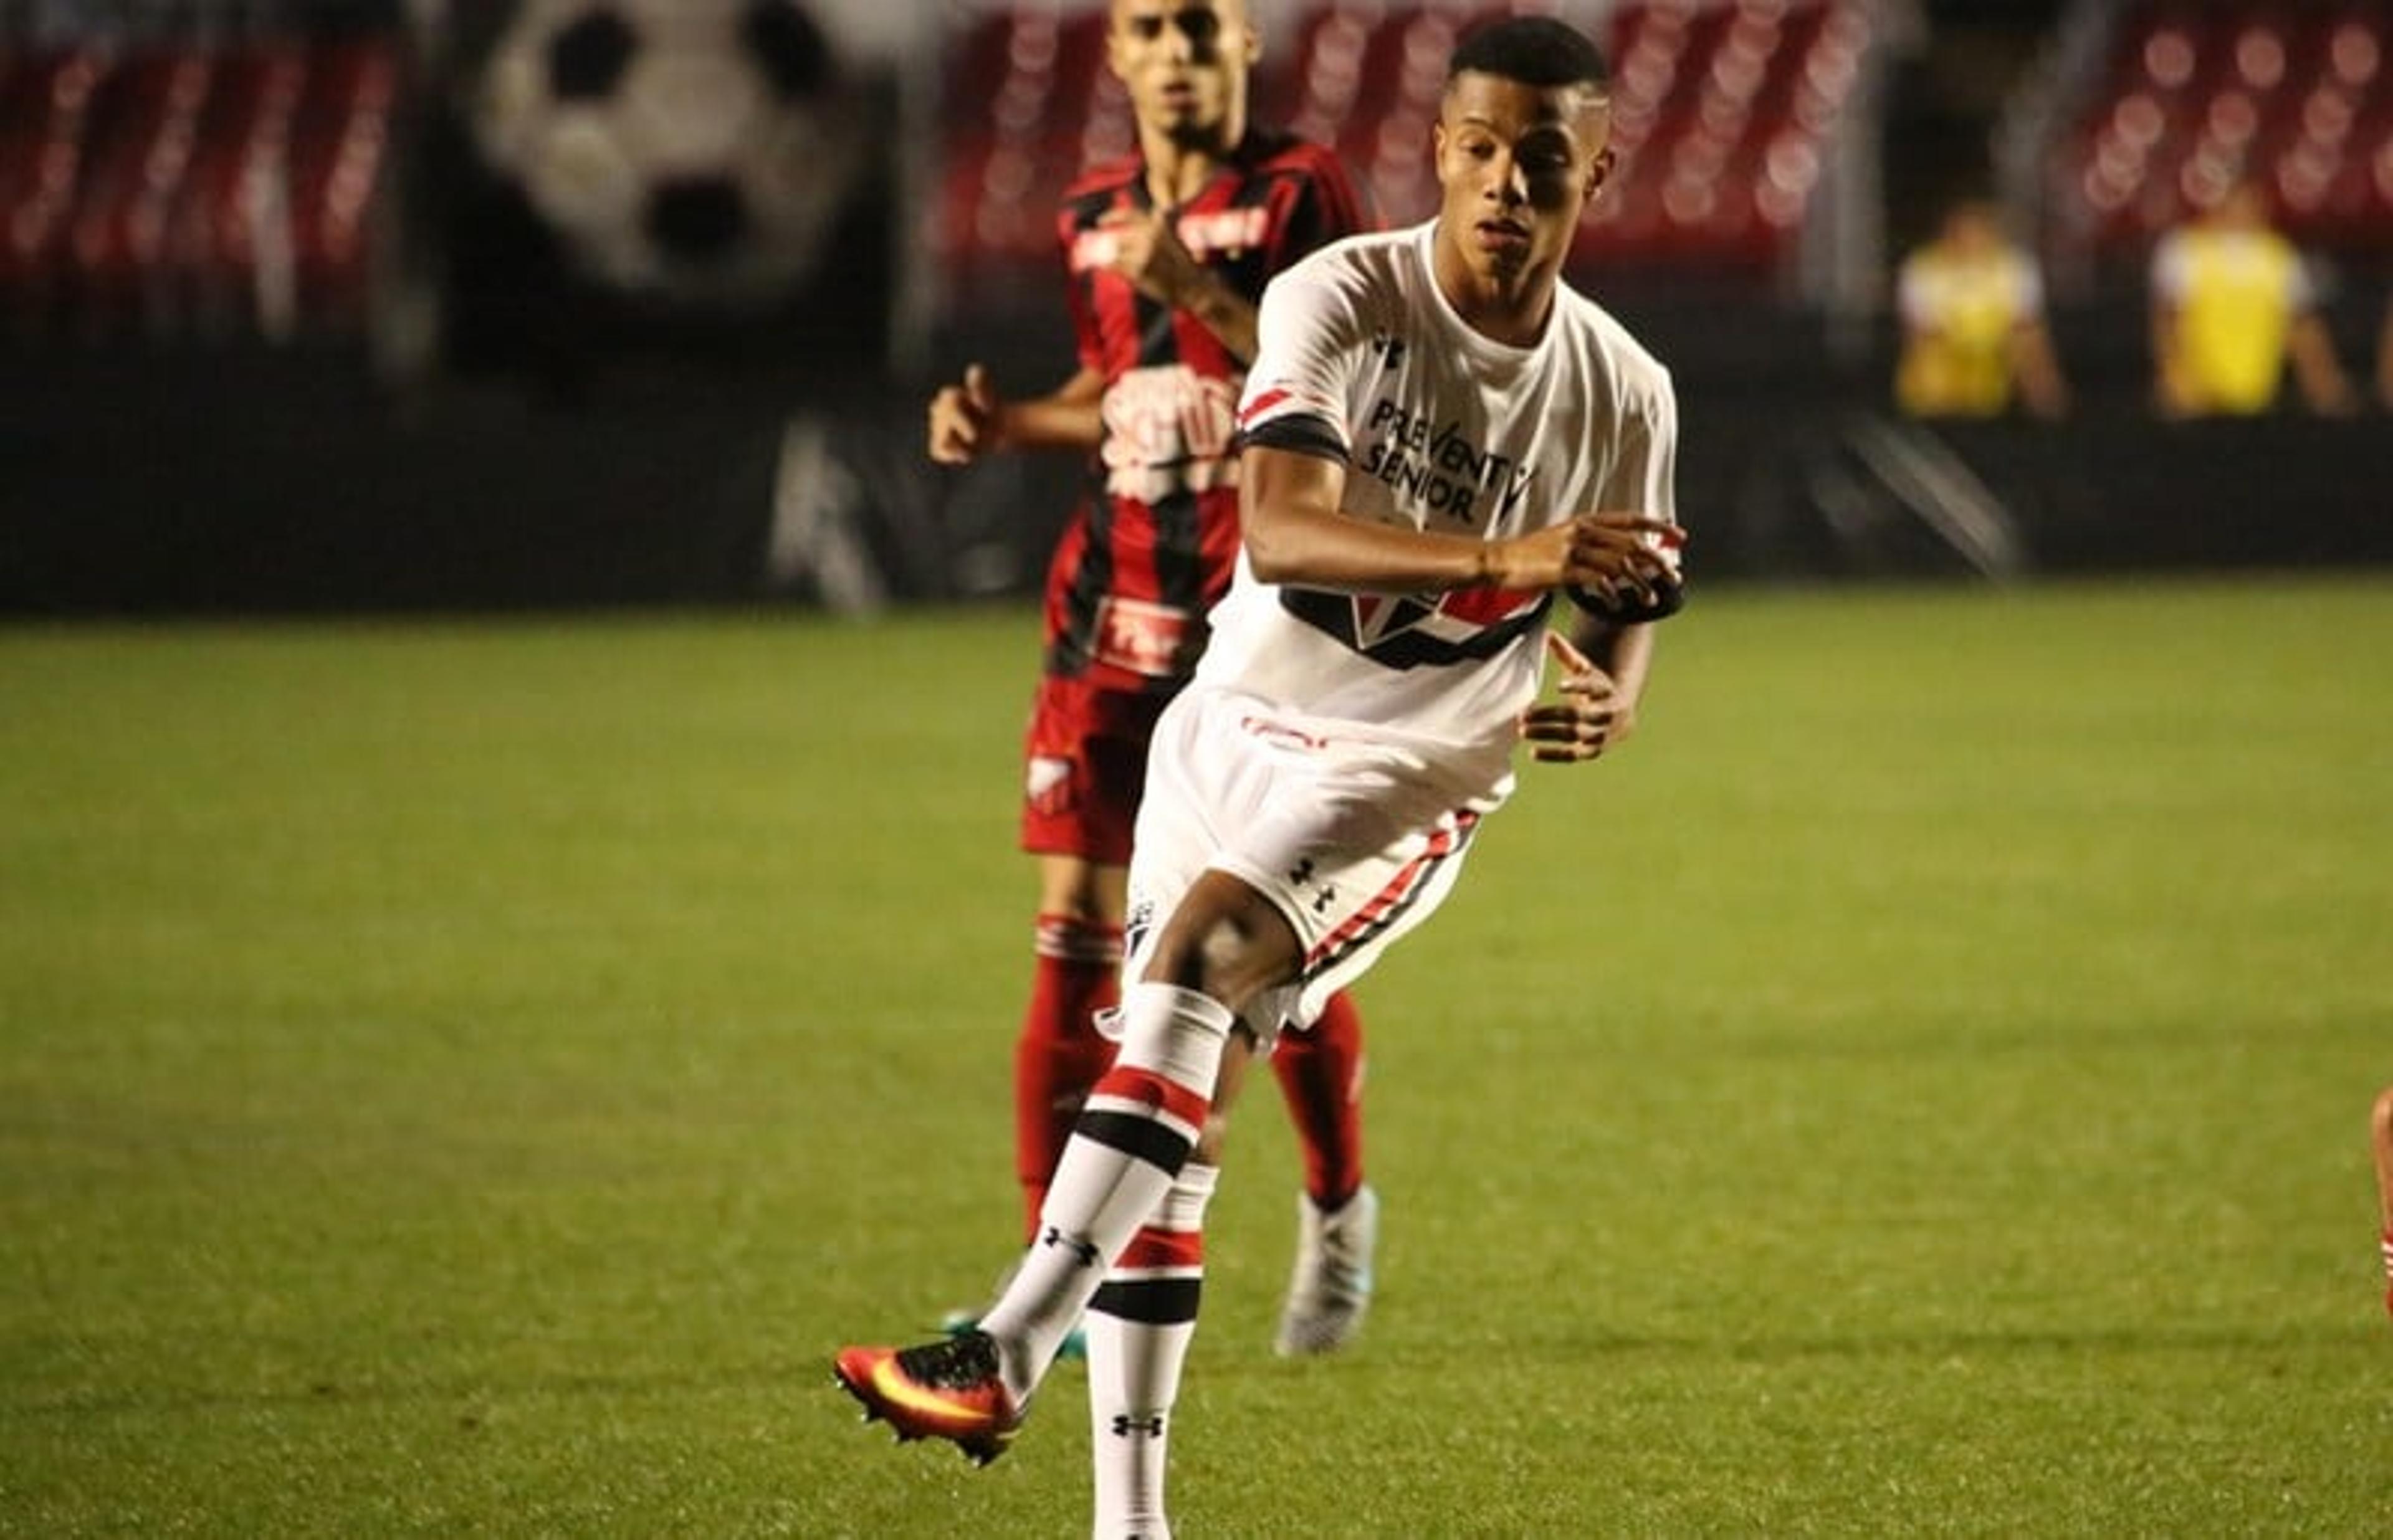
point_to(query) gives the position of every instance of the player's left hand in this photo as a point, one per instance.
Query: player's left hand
(1590, 717)
(1148, 252)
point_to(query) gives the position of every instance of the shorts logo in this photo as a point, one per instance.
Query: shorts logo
(1142, 636)
(1152, 1425)
(1049, 787)
(1301, 875)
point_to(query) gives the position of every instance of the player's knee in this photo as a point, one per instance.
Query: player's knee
(1083, 892)
(1194, 951)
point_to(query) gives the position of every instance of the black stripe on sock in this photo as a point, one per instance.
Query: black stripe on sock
(1150, 1301)
(1139, 1138)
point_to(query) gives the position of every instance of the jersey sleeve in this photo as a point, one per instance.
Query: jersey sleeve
(1914, 295)
(2027, 287)
(1645, 463)
(1310, 346)
(2172, 264)
(2301, 284)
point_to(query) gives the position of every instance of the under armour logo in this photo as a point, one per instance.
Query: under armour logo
(1390, 348)
(1323, 899)
(1082, 1250)
(1151, 1426)
(1303, 873)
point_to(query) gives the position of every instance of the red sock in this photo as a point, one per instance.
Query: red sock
(1321, 1077)
(1059, 1055)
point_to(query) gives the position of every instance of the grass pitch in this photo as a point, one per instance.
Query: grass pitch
(466, 1078)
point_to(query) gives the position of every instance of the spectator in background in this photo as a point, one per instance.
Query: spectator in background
(2233, 304)
(1973, 331)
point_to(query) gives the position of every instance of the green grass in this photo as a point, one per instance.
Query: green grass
(465, 1079)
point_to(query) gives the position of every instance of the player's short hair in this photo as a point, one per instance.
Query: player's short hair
(1531, 50)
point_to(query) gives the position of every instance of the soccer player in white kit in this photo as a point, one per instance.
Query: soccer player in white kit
(1439, 436)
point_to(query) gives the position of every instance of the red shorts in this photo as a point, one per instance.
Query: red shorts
(1085, 761)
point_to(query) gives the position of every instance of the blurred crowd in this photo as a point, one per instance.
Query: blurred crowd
(2234, 320)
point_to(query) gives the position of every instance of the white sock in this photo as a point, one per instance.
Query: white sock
(1133, 1135)
(1140, 1325)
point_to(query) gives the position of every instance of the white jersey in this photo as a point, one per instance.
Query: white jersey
(1442, 429)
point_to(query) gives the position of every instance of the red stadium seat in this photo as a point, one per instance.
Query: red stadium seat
(341, 136)
(44, 150)
(1026, 102)
(2194, 95)
(1722, 116)
(173, 186)
(1722, 111)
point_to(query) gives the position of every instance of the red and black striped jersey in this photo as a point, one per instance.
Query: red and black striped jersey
(1156, 539)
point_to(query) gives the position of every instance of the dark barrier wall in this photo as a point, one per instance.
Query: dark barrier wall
(198, 481)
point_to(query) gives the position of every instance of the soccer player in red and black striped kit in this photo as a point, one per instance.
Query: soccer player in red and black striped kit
(1166, 252)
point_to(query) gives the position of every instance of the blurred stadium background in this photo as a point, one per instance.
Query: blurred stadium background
(325, 305)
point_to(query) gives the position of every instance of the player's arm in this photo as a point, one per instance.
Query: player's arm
(2038, 366)
(1297, 531)
(1602, 667)
(2316, 369)
(1601, 682)
(1149, 253)
(2173, 390)
(971, 419)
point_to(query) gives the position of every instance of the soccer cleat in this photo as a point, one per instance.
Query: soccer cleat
(1330, 1289)
(945, 1390)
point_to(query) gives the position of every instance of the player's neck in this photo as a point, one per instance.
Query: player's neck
(1507, 309)
(1178, 169)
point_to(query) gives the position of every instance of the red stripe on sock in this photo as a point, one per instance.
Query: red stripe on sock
(1168, 1097)
(1153, 1247)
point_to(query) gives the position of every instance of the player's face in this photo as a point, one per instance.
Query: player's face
(1971, 231)
(1517, 165)
(1184, 63)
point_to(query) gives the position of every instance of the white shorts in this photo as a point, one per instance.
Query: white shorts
(1355, 841)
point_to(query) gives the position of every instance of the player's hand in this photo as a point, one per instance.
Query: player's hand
(1589, 717)
(1605, 554)
(1148, 252)
(964, 419)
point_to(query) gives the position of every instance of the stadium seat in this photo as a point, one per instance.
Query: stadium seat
(138, 155)
(1026, 102)
(1722, 118)
(185, 184)
(341, 139)
(44, 147)
(1722, 111)
(2293, 95)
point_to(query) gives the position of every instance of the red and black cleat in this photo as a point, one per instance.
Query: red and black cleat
(946, 1390)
